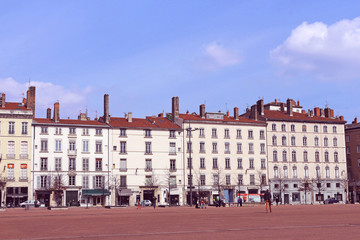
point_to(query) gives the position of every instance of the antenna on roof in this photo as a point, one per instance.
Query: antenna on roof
(29, 81)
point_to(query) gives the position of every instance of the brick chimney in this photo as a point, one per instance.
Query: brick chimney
(202, 110)
(56, 112)
(260, 107)
(175, 108)
(342, 118)
(30, 101)
(317, 112)
(282, 107)
(289, 107)
(275, 101)
(236, 113)
(48, 113)
(3, 98)
(130, 117)
(106, 109)
(327, 112)
(160, 115)
(254, 113)
(298, 103)
(332, 113)
(355, 120)
(227, 113)
(303, 111)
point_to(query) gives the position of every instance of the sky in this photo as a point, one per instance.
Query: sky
(223, 54)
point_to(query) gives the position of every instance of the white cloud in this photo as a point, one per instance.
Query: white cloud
(71, 100)
(331, 52)
(217, 56)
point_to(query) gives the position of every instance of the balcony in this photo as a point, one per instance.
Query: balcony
(72, 152)
(98, 169)
(23, 179)
(148, 169)
(10, 178)
(10, 156)
(24, 156)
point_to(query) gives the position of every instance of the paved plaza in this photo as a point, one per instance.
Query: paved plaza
(249, 222)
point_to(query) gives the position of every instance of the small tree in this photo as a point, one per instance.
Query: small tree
(319, 186)
(306, 186)
(169, 183)
(261, 181)
(218, 181)
(58, 186)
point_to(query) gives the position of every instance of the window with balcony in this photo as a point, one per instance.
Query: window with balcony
(306, 172)
(148, 166)
(276, 172)
(72, 166)
(71, 180)
(172, 165)
(43, 164)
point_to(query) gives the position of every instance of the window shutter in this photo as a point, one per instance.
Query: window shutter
(93, 182)
(103, 181)
(38, 182)
(48, 183)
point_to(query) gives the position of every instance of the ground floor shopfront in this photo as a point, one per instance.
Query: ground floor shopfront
(354, 192)
(15, 195)
(94, 197)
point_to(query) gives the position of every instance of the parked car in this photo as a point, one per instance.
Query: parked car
(331, 201)
(30, 203)
(146, 203)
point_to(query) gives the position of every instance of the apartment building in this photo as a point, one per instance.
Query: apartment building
(15, 142)
(306, 152)
(225, 156)
(71, 162)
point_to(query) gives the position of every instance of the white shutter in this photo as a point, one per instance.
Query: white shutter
(38, 186)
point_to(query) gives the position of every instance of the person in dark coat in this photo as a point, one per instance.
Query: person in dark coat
(267, 197)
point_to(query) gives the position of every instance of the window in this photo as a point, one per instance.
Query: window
(24, 150)
(98, 164)
(227, 163)
(57, 131)
(213, 133)
(335, 142)
(226, 133)
(24, 128)
(72, 146)
(292, 127)
(123, 164)
(326, 156)
(293, 141)
(172, 164)
(293, 156)
(99, 181)
(148, 166)
(284, 156)
(172, 134)
(202, 163)
(275, 157)
(251, 148)
(57, 145)
(85, 182)
(189, 147)
(57, 164)
(147, 133)
(327, 172)
(189, 163)
(227, 147)
(44, 147)
(122, 147)
(228, 179)
(44, 130)
(122, 132)
(262, 134)
(316, 128)
(273, 127)
(98, 131)
(318, 174)
(250, 134)
(276, 172)
(239, 161)
(334, 129)
(283, 127)
(238, 133)
(11, 127)
(202, 180)
(262, 148)
(239, 148)
(326, 142)
(263, 166)
(85, 131)
(306, 172)
(348, 150)
(252, 179)
(43, 164)
(274, 140)
(215, 163)
(201, 132)
(286, 175)
(216, 179)
(123, 183)
(325, 129)
(23, 172)
(214, 145)
(305, 156)
(304, 141)
(317, 156)
(294, 172)
(43, 181)
(336, 157)
(71, 180)
(251, 163)
(172, 148)
(72, 166)
(72, 131)
(202, 147)
(240, 179)
(283, 140)
(10, 172)
(337, 172)
(85, 146)
(304, 128)
(98, 147)
(85, 165)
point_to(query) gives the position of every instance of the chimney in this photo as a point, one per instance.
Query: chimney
(303, 111)
(236, 113)
(30, 101)
(130, 117)
(355, 120)
(24, 102)
(254, 113)
(317, 112)
(322, 114)
(260, 106)
(202, 110)
(48, 113)
(275, 101)
(327, 112)
(298, 103)
(175, 108)
(282, 107)
(227, 113)
(342, 118)
(106, 109)
(3, 100)
(289, 106)
(332, 113)
(311, 113)
(56, 112)
(160, 115)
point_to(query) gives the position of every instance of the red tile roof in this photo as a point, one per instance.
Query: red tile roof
(149, 123)
(14, 106)
(69, 122)
(196, 117)
(278, 115)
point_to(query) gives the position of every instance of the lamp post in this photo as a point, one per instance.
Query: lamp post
(189, 130)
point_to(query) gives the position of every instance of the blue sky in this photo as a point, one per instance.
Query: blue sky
(142, 53)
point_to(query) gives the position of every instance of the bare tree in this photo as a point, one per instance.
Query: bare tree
(58, 186)
(319, 186)
(261, 181)
(169, 183)
(306, 186)
(2, 188)
(279, 182)
(219, 181)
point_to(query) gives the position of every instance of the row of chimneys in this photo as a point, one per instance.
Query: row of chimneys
(28, 102)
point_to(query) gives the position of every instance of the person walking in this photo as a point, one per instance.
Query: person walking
(138, 204)
(154, 202)
(267, 197)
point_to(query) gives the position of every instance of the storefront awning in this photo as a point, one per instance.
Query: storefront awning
(95, 192)
(124, 192)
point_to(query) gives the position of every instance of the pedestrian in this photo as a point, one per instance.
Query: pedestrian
(202, 204)
(154, 202)
(138, 204)
(240, 201)
(277, 201)
(267, 197)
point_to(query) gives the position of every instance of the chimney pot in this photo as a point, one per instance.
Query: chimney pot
(48, 113)
(161, 115)
(236, 113)
(275, 101)
(56, 112)
(342, 118)
(130, 117)
(260, 106)
(317, 112)
(202, 110)
(106, 108)
(254, 113)
(289, 107)
(355, 120)
(175, 108)
(3, 98)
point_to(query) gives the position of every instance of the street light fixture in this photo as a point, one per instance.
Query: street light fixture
(189, 130)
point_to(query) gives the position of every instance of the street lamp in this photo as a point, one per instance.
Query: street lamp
(189, 130)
